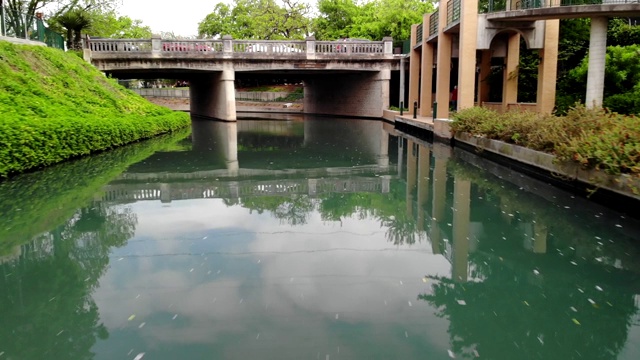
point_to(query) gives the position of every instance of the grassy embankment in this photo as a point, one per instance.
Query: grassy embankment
(54, 106)
(595, 139)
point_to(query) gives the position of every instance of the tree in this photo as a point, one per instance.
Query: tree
(372, 20)
(20, 14)
(622, 78)
(74, 21)
(108, 24)
(258, 19)
(335, 19)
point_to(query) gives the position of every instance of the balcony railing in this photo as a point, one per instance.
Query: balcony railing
(453, 12)
(433, 23)
(500, 5)
(419, 34)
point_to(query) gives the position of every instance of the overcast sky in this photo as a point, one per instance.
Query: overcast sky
(179, 16)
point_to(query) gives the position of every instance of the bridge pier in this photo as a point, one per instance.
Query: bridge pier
(597, 56)
(213, 95)
(348, 94)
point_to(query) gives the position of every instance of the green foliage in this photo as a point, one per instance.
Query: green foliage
(606, 141)
(68, 186)
(622, 77)
(626, 103)
(594, 138)
(56, 106)
(74, 21)
(622, 33)
(110, 25)
(258, 19)
(297, 94)
(370, 20)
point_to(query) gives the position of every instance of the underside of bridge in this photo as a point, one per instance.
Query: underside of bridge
(357, 93)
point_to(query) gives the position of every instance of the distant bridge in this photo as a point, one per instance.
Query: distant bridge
(349, 78)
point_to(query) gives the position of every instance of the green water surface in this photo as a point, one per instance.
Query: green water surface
(309, 238)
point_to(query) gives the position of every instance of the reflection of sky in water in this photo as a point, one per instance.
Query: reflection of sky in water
(209, 279)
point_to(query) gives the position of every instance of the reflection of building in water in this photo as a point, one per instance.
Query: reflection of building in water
(526, 281)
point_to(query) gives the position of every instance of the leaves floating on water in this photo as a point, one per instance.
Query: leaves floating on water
(575, 321)
(132, 317)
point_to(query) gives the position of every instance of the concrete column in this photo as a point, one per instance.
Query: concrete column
(597, 55)
(412, 164)
(384, 85)
(311, 47)
(548, 68)
(461, 213)
(441, 155)
(424, 160)
(483, 77)
(227, 45)
(467, 53)
(156, 45)
(400, 155)
(313, 187)
(387, 43)
(165, 193)
(426, 80)
(382, 156)
(214, 95)
(540, 239)
(510, 81)
(414, 70)
(443, 72)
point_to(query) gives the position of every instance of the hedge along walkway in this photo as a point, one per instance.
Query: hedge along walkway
(54, 106)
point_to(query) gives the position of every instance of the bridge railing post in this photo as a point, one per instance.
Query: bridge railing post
(388, 45)
(227, 44)
(311, 46)
(156, 44)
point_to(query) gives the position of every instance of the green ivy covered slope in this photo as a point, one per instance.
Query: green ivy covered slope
(54, 106)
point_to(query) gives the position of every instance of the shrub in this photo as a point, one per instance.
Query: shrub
(55, 107)
(595, 138)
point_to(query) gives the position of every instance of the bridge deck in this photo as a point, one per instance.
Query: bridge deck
(566, 10)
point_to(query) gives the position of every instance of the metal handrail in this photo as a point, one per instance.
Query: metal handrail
(539, 4)
(433, 23)
(453, 11)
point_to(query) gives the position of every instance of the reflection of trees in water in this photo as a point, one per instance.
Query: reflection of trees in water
(402, 231)
(293, 209)
(517, 314)
(45, 296)
(388, 208)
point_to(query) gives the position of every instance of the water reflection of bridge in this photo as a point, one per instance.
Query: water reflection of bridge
(167, 192)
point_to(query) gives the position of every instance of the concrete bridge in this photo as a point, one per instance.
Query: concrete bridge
(348, 78)
(457, 30)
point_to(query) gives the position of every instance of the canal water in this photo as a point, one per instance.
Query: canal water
(312, 238)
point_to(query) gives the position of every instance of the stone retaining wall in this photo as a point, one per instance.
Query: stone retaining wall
(623, 184)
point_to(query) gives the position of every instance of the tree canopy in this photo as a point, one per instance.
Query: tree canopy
(371, 20)
(258, 19)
